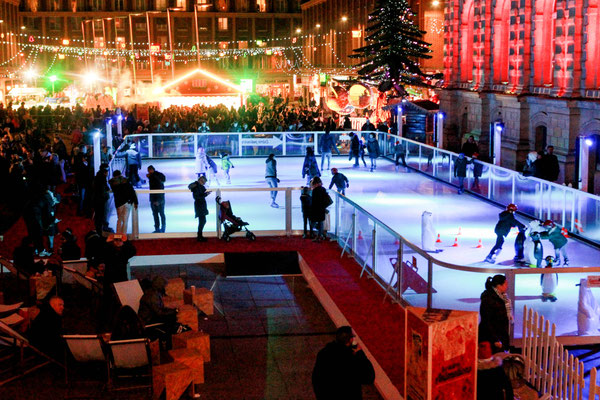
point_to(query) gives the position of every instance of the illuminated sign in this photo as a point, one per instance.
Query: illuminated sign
(357, 34)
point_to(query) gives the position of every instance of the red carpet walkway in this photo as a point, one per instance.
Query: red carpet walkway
(379, 325)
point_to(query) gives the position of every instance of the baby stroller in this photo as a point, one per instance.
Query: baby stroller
(231, 223)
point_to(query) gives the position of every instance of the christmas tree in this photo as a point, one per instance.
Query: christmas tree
(394, 47)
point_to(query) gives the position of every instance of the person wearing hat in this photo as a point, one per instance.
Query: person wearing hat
(342, 368)
(201, 209)
(156, 181)
(134, 164)
(339, 180)
(507, 221)
(559, 241)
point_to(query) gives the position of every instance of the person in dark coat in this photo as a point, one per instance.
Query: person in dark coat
(127, 325)
(69, 250)
(477, 172)
(470, 147)
(550, 165)
(492, 382)
(24, 258)
(327, 143)
(152, 311)
(496, 313)
(367, 126)
(341, 369)
(310, 168)
(46, 329)
(319, 202)
(400, 154)
(305, 201)
(339, 180)
(117, 253)
(506, 222)
(460, 171)
(100, 198)
(125, 197)
(156, 181)
(354, 148)
(201, 209)
(373, 149)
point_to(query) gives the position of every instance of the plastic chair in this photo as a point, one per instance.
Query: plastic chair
(130, 359)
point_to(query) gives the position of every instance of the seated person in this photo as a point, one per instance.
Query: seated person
(24, 258)
(69, 250)
(152, 311)
(46, 329)
(492, 382)
(127, 325)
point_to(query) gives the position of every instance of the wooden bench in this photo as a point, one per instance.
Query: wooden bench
(193, 340)
(174, 378)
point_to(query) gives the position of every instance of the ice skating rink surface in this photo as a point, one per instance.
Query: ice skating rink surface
(397, 199)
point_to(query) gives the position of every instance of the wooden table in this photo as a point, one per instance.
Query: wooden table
(193, 359)
(193, 340)
(174, 378)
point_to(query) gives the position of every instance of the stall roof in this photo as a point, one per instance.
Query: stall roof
(425, 106)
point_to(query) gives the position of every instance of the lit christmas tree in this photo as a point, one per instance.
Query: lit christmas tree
(394, 47)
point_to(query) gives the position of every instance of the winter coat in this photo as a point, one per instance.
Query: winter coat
(367, 126)
(339, 180)
(123, 191)
(507, 221)
(399, 149)
(116, 259)
(310, 167)
(469, 148)
(339, 373)
(271, 168)
(477, 169)
(46, 333)
(355, 144)
(133, 158)
(551, 167)
(202, 165)
(327, 143)
(226, 163)
(460, 167)
(494, 319)
(199, 192)
(305, 201)
(555, 236)
(373, 148)
(492, 382)
(156, 181)
(320, 202)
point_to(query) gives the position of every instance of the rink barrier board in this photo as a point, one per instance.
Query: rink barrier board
(578, 211)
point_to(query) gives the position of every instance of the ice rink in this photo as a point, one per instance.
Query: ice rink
(397, 199)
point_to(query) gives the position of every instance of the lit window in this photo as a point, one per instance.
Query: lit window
(161, 4)
(261, 5)
(223, 24)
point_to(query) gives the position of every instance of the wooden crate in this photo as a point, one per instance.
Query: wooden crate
(202, 298)
(174, 378)
(175, 288)
(188, 315)
(172, 302)
(193, 340)
(441, 359)
(193, 359)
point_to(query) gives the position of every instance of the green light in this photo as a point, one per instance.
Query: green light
(53, 78)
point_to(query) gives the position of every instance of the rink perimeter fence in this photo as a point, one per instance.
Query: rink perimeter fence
(577, 211)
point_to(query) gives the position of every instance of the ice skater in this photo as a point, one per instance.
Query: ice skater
(354, 148)
(477, 172)
(200, 193)
(373, 149)
(506, 221)
(558, 240)
(361, 152)
(339, 180)
(226, 165)
(460, 171)
(310, 168)
(400, 154)
(549, 282)
(202, 165)
(271, 177)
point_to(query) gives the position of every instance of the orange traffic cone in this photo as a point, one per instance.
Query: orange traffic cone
(360, 236)
(479, 245)
(459, 231)
(578, 226)
(455, 242)
(439, 239)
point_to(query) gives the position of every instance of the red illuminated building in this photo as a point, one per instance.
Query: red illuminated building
(531, 65)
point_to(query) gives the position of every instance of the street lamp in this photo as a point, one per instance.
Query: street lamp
(150, 43)
(196, 6)
(132, 49)
(53, 79)
(171, 39)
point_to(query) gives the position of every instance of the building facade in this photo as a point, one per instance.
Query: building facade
(530, 68)
(232, 28)
(9, 43)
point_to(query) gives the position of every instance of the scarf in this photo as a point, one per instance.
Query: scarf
(507, 304)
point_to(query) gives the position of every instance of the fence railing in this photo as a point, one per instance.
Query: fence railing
(573, 209)
(548, 365)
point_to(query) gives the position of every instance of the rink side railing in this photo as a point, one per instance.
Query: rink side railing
(573, 209)
(384, 255)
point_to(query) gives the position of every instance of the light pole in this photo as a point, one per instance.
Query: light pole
(196, 6)
(132, 49)
(53, 79)
(150, 43)
(171, 40)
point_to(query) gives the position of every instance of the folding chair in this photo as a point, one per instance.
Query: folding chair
(130, 359)
(19, 343)
(129, 294)
(85, 349)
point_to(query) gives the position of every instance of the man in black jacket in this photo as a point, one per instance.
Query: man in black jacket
(507, 221)
(201, 209)
(341, 368)
(156, 181)
(460, 171)
(46, 329)
(124, 196)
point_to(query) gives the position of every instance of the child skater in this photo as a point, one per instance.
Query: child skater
(226, 165)
(558, 240)
(549, 282)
